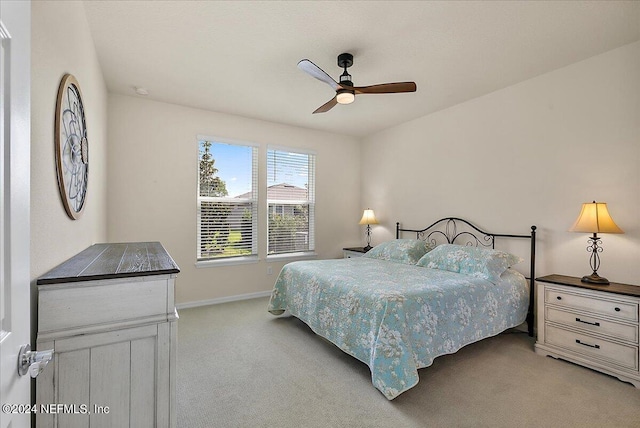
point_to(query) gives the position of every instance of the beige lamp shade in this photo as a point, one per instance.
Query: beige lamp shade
(594, 218)
(368, 217)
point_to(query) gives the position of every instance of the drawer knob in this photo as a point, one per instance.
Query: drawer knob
(617, 309)
(559, 297)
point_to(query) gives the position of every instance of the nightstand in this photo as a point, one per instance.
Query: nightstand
(592, 325)
(353, 252)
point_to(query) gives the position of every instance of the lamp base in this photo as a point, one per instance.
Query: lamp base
(594, 278)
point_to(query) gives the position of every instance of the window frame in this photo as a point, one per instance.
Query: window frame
(202, 262)
(310, 202)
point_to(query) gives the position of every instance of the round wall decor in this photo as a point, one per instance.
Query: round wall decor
(72, 147)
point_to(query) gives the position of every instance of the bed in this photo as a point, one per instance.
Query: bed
(411, 300)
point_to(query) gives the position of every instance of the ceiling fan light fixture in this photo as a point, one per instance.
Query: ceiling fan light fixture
(346, 90)
(345, 96)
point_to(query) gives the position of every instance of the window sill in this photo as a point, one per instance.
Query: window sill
(292, 256)
(226, 262)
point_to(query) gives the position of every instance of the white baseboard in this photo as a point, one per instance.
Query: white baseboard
(219, 300)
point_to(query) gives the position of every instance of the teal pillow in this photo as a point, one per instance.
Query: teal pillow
(407, 251)
(479, 262)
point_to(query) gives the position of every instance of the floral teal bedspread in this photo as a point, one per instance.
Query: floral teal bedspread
(397, 318)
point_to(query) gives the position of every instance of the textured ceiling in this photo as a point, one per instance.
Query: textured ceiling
(240, 57)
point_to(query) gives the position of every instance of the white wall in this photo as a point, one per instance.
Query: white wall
(528, 154)
(61, 43)
(153, 185)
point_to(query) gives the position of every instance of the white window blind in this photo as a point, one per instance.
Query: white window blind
(227, 200)
(291, 201)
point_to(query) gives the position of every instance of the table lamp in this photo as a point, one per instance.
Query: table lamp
(368, 218)
(594, 218)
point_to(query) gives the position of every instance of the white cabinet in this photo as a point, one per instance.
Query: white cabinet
(110, 317)
(592, 325)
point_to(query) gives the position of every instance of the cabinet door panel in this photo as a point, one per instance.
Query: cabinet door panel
(110, 384)
(73, 386)
(164, 373)
(143, 385)
(45, 391)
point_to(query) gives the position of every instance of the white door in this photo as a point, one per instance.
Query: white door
(15, 326)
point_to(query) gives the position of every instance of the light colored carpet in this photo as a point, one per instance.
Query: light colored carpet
(239, 366)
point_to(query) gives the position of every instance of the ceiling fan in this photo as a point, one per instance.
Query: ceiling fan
(345, 91)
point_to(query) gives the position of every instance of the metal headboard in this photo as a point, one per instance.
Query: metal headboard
(447, 230)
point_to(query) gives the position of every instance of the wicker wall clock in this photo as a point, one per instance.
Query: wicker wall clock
(72, 147)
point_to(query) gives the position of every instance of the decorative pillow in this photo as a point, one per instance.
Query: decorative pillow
(476, 261)
(407, 251)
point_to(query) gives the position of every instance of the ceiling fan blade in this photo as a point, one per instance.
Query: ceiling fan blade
(327, 106)
(387, 88)
(315, 71)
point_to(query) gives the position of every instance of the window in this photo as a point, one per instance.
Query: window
(227, 199)
(291, 201)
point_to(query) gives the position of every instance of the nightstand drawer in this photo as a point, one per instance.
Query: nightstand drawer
(352, 252)
(597, 325)
(622, 355)
(607, 308)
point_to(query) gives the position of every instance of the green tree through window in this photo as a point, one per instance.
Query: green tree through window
(210, 184)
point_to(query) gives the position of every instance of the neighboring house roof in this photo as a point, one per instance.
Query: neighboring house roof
(282, 191)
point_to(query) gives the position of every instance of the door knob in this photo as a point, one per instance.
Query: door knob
(33, 361)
